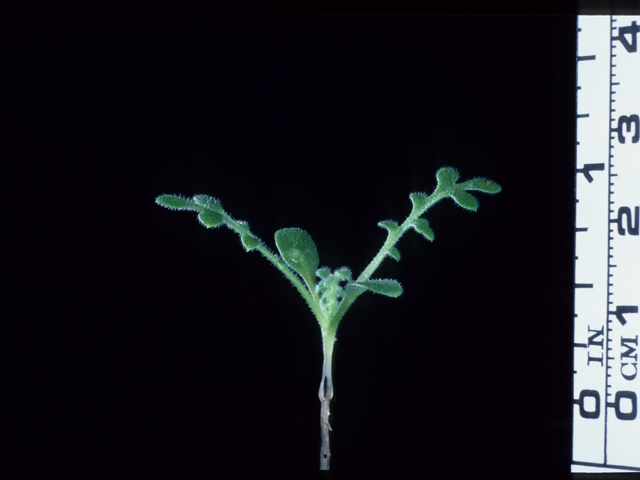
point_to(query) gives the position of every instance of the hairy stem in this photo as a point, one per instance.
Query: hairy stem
(325, 393)
(392, 239)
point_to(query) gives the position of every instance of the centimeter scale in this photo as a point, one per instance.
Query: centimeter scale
(606, 379)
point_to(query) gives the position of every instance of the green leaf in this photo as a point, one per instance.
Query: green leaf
(249, 242)
(299, 251)
(323, 272)
(447, 178)
(465, 200)
(209, 203)
(176, 202)
(481, 184)
(421, 225)
(390, 225)
(210, 219)
(419, 200)
(343, 273)
(390, 288)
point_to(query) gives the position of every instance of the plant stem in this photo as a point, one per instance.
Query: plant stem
(325, 393)
(392, 239)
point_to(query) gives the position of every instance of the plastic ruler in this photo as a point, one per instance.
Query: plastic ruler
(606, 376)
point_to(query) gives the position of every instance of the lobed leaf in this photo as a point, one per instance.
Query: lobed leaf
(390, 288)
(176, 202)
(343, 273)
(465, 200)
(299, 251)
(210, 219)
(421, 225)
(419, 200)
(209, 203)
(447, 178)
(249, 242)
(481, 184)
(323, 272)
(394, 253)
(390, 225)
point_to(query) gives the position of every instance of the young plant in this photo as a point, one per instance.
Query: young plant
(329, 295)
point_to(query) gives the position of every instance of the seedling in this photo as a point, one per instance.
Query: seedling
(329, 295)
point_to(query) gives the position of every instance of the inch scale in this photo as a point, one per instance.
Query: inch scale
(606, 376)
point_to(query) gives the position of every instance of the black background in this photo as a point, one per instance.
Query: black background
(140, 338)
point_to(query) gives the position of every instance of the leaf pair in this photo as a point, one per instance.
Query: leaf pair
(300, 253)
(447, 187)
(447, 178)
(211, 215)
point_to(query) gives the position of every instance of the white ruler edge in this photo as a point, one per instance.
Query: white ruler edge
(606, 380)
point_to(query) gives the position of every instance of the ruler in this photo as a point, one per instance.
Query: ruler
(606, 375)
